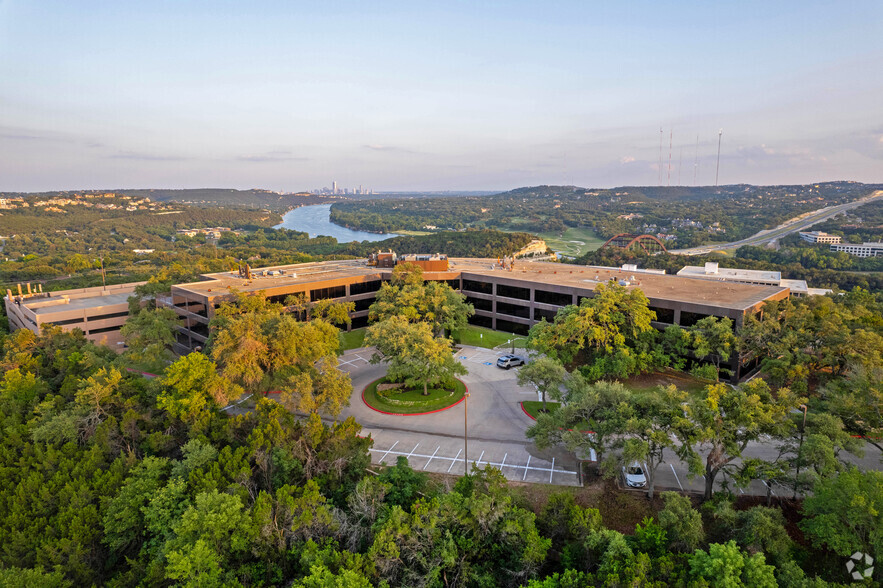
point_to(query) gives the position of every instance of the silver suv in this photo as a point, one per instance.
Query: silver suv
(508, 361)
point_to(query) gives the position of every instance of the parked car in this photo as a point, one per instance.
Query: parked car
(635, 475)
(508, 361)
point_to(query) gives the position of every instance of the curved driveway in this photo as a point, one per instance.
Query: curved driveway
(435, 442)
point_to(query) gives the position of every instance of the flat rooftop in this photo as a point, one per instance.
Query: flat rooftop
(694, 271)
(79, 299)
(689, 290)
(731, 295)
(298, 274)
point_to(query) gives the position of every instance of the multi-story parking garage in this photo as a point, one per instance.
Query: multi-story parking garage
(505, 298)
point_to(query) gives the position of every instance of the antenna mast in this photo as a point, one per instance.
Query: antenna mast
(671, 133)
(718, 169)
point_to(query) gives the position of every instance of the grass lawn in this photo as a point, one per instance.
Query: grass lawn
(413, 401)
(642, 383)
(352, 339)
(533, 408)
(482, 337)
(575, 241)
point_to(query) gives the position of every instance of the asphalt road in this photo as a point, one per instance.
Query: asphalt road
(791, 226)
(496, 432)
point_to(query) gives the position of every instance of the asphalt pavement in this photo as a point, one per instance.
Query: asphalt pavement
(496, 431)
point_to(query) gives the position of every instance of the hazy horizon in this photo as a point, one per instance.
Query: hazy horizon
(420, 97)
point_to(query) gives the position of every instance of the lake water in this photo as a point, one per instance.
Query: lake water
(314, 220)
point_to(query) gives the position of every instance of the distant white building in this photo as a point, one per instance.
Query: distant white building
(863, 250)
(713, 271)
(819, 237)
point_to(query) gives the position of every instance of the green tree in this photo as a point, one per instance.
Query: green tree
(845, 513)
(727, 566)
(726, 419)
(602, 408)
(192, 387)
(651, 427)
(263, 348)
(413, 354)
(77, 263)
(604, 332)
(435, 303)
(713, 337)
(545, 373)
(149, 336)
(857, 399)
(404, 485)
(681, 522)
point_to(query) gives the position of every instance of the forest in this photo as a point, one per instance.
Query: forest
(695, 216)
(112, 478)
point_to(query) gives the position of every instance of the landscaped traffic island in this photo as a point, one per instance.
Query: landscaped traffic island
(411, 401)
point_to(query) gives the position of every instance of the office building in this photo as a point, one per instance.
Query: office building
(507, 296)
(819, 237)
(863, 250)
(713, 271)
(98, 312)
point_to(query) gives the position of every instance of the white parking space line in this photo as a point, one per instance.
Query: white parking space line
(479, 459)
(387, 452)
(430, 459)
(676, 477)
(455, 460)
(413, 450)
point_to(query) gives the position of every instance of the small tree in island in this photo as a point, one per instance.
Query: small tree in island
(414, 355)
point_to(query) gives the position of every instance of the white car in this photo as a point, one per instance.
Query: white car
(508, 361)
(635, 475)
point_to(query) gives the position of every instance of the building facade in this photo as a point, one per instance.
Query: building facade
(863, 250)
(819, 237)
(506, 297)
(98, 312)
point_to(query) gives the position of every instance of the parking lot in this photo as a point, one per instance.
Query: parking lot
(435, 442)
(497, 425)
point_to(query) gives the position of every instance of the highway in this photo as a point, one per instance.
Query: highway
(793, 225)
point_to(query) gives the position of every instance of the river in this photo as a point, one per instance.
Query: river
(315, 221)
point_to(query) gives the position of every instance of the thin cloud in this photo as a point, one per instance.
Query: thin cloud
(136, 156)
(271, 157)
(391, 149)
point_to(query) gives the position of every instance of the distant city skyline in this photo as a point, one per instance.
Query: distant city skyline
(437, 96)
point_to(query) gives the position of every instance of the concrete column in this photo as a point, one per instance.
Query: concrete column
(531, 305)
(677, 319)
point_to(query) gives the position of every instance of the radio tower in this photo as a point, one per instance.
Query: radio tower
(718, 168)
(671, 133)
(696, 161)
(660, 156)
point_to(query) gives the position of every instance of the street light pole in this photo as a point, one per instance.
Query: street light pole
(799, 452)
(466, 434)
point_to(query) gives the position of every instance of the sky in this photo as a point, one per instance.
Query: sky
(450, 95)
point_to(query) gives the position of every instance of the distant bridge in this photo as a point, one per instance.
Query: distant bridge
(648, 243)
